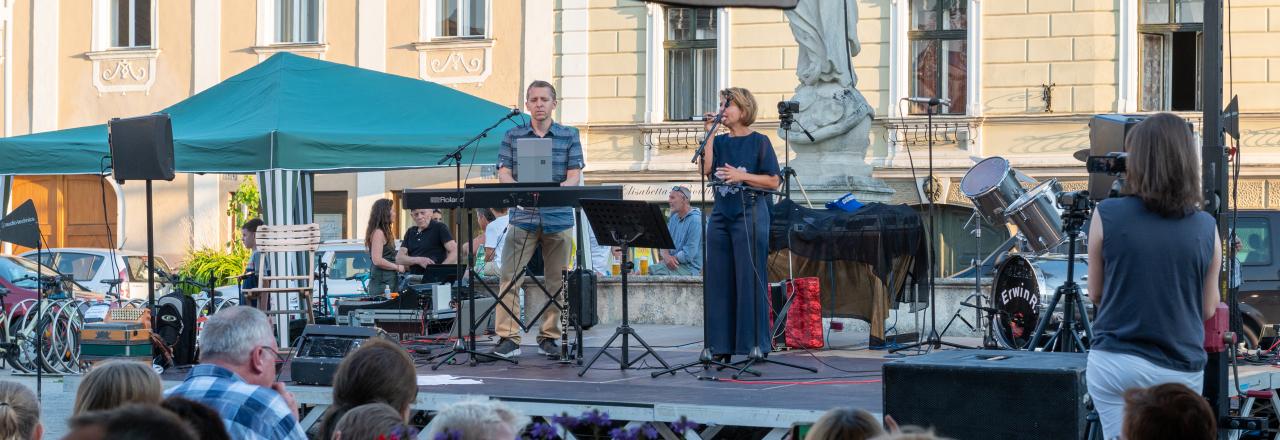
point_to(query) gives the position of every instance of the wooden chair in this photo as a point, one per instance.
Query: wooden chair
(278, 247)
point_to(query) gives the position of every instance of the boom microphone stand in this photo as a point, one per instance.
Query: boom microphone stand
(934, 340)
(462, 345)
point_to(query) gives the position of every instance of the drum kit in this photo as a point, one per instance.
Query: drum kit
(1027, 282)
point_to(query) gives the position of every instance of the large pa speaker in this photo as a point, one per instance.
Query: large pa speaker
(987, 394)
(1106, 135)
(141, 148)
(322, 349)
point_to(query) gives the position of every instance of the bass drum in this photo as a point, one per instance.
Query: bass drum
(1022, 290)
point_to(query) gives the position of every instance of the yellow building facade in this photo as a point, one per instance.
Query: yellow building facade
(1024, 77)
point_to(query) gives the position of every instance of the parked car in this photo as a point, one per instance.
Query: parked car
(18, 276)
(1259, 272)
(92, 267)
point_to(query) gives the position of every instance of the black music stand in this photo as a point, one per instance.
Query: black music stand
(626, 223)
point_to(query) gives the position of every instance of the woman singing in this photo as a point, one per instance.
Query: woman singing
(738, 230)
(382, 251)
(1153, 271)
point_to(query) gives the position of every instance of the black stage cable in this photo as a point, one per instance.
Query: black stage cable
(111, 246)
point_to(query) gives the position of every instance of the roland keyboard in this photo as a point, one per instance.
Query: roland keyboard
(508, 196)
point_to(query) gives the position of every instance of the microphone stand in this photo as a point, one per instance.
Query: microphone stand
(757, 355)
(934, 340)
(704, 358)
(462, 345)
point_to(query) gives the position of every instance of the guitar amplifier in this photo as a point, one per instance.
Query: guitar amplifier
(322, 349)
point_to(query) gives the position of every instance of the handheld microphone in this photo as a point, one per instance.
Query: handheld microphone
(928, 101)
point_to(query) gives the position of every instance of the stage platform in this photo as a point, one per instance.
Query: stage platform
(848, 375)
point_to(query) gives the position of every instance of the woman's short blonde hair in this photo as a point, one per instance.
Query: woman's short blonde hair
(112, 384)
(744, 100)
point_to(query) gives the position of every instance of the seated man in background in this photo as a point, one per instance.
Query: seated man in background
(685, 225)
(428, 242)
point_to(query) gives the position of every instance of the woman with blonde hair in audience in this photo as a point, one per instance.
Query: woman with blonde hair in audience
(378, 371)
(845, 424)
(111, 384)
(19, 413)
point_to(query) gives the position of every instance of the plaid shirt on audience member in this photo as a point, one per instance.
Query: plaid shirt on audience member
(249, 411)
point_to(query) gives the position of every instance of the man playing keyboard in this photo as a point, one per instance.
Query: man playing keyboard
(550, 227)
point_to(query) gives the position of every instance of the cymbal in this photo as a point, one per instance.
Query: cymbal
(1081, 155)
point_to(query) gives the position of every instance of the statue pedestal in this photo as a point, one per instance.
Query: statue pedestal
(831, 168)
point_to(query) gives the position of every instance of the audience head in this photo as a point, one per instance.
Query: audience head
(477, 420)
(19, 413)
(113, 383)
(240, 339)
(485, 216)
(247, 231)
(1162, 168)
(845, 424)
(374, 421)
(499, 211)
(206, 422)
(378, 371)
(133, 421)
(1166, 411)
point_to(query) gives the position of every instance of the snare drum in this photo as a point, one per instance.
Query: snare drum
(992, 186)
(1037, 216)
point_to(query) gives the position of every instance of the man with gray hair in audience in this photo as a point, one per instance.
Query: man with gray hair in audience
(477, 420)
(237, 377)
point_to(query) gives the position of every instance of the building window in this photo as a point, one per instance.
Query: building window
(462, 18)
(297, 21)
(1170, 42)
(939, 52)
(690, 47)
(131, 23)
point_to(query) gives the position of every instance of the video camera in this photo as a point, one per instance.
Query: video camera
(1111, 164)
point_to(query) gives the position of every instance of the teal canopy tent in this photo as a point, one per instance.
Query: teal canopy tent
(290, 113)
(284, 119)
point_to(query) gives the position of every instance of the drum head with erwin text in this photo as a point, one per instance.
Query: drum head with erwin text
(1016, 294)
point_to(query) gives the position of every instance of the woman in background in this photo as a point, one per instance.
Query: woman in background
(377, 240)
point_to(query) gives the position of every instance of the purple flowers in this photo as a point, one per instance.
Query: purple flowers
(448, 434)
(592, 424)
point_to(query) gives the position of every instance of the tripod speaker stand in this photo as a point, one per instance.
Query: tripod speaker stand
(626, 223)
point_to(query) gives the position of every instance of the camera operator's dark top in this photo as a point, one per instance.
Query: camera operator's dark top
(1153, 290)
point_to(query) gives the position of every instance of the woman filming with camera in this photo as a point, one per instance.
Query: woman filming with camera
(1153, 271)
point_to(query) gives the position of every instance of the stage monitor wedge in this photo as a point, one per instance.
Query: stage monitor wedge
(141, 148)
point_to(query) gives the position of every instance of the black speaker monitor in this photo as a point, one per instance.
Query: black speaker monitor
(141, 148)
(1106, 135)
(990, 394)
(322, 349)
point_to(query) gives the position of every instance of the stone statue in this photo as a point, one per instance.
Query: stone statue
(831, 107)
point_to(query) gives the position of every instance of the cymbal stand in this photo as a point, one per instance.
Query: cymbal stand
(987, 340)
